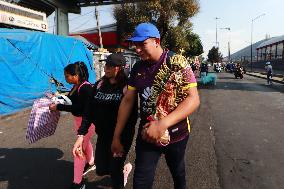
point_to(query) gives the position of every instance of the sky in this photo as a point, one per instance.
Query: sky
(234, 14)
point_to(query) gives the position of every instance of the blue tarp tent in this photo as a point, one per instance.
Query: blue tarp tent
(29, 59)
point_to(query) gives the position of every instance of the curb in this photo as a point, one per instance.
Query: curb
(264, 77)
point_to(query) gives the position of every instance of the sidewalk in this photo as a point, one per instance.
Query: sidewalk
(277, 78)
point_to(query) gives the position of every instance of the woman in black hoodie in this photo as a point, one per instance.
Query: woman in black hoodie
(108, 93)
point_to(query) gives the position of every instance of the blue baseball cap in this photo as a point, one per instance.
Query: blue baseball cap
(144, 31)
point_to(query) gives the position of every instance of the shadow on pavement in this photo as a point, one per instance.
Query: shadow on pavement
(34, 168)
(103, 182)
(227, 77)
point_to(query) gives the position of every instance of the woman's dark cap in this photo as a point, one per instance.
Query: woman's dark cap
(115, 59)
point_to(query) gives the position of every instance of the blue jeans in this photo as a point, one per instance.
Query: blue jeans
(147, 156)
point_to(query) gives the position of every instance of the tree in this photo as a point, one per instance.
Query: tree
(214, 55)
(177, 38)
(170, 17)
(195, 45)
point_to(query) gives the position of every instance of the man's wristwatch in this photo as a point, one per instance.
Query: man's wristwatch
(80, 136)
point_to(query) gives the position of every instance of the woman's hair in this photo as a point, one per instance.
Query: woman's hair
(121, 77)
(78, 68)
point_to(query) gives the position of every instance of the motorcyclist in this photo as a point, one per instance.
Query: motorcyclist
(239, 71)
(229, 67)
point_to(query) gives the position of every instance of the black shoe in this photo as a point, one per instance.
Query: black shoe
(89, 168)
(78, 186)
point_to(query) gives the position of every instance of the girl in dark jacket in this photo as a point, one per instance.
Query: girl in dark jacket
(80, 95)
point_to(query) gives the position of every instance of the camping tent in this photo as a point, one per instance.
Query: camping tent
(28, 62)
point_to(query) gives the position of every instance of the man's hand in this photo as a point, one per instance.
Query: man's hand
(153, 131)
(116, 147)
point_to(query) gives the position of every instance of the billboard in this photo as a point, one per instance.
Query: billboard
(20, 17)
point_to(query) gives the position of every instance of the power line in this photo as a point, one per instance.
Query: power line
(81, 15)
(78, 17)
(81, 25)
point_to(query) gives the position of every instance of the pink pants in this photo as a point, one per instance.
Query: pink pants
(80, 163)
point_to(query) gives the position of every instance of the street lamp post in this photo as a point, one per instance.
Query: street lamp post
(229, 51)
(251, 38)
(216, 18)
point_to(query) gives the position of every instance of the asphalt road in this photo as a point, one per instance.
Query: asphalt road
(248, 119)
(236, 142)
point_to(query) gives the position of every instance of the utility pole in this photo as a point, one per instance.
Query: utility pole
(98, 26)
(229, 51)
(101, 52)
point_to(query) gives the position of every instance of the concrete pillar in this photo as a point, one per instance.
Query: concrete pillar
(61, 18)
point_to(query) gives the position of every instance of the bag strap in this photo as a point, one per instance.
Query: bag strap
(85, 82)
(98, 84)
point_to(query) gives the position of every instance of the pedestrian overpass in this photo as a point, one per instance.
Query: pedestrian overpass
(63, 7)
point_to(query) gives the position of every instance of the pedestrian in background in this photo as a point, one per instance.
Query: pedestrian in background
(269, 73)
(203, 69)
(146, 39)
(80, 95)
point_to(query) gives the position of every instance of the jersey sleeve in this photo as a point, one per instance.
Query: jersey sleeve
(188, 78)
